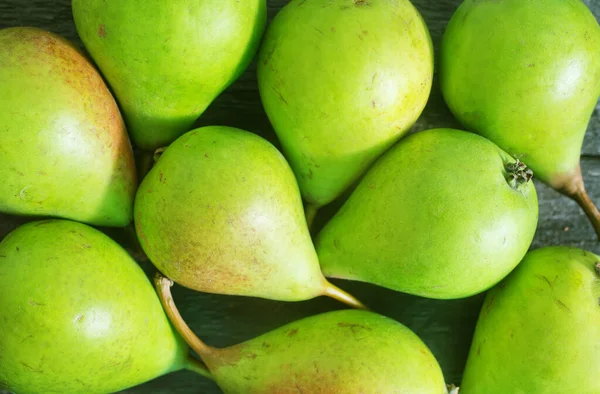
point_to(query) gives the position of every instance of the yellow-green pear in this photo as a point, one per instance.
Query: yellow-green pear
(538, 329)
(64, 150)
(443, 214)
(168, 60)
(526, 75)
(221, 212)
(341, 81)
(345, 351)
(78, 315)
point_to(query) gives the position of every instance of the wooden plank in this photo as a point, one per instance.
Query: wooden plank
(446, 326)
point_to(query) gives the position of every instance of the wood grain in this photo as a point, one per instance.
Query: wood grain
(446, 326)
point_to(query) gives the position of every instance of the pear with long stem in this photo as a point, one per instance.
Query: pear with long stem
(346, 351)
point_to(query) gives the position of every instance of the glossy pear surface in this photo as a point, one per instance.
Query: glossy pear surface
(438, 216)
(168, 60)
(221, 212)
(64, 150)
(341, 81)
(526, 75)
(538, 329)
(78, 315)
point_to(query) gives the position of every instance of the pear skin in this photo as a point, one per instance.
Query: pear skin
(526, 75)
(341, 81)
(64, 149)
(168, 60)
(78, 315)
(443, 214)
(345, 351)
(538, 329)
(221, 212)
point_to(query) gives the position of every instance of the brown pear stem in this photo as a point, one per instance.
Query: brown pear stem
(573, 187)
(589, 208)
(163, 288)
(310, 210)
(198, 367)
(338, 294)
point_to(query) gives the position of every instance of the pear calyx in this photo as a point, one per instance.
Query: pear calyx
(518, 174)
(452, 389)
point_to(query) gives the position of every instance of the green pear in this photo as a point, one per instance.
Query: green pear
(78, 315)
(443, 214)
(168, 60)
(221, 212)
(64, 150)
(341, 81)
(345, 351)
(526, 75)
(538, 329)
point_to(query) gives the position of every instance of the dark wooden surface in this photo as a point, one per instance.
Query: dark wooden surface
(446, 326)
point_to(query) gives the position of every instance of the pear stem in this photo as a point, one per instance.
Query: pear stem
(572, 186)
(336, 293)
(198, 367)
(589, 208)
(163, 288)
(310, 210)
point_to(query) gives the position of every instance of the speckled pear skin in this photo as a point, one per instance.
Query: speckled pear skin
(537, 331)
(435, 217)
(221, 212)
(526, 75)
(341, 81)
(64, 149)
(78, 315)
(346, 351)
(168, 60)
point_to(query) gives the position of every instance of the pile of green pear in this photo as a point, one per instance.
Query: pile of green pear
(442, 213)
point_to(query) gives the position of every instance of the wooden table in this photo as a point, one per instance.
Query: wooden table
(446, 326)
